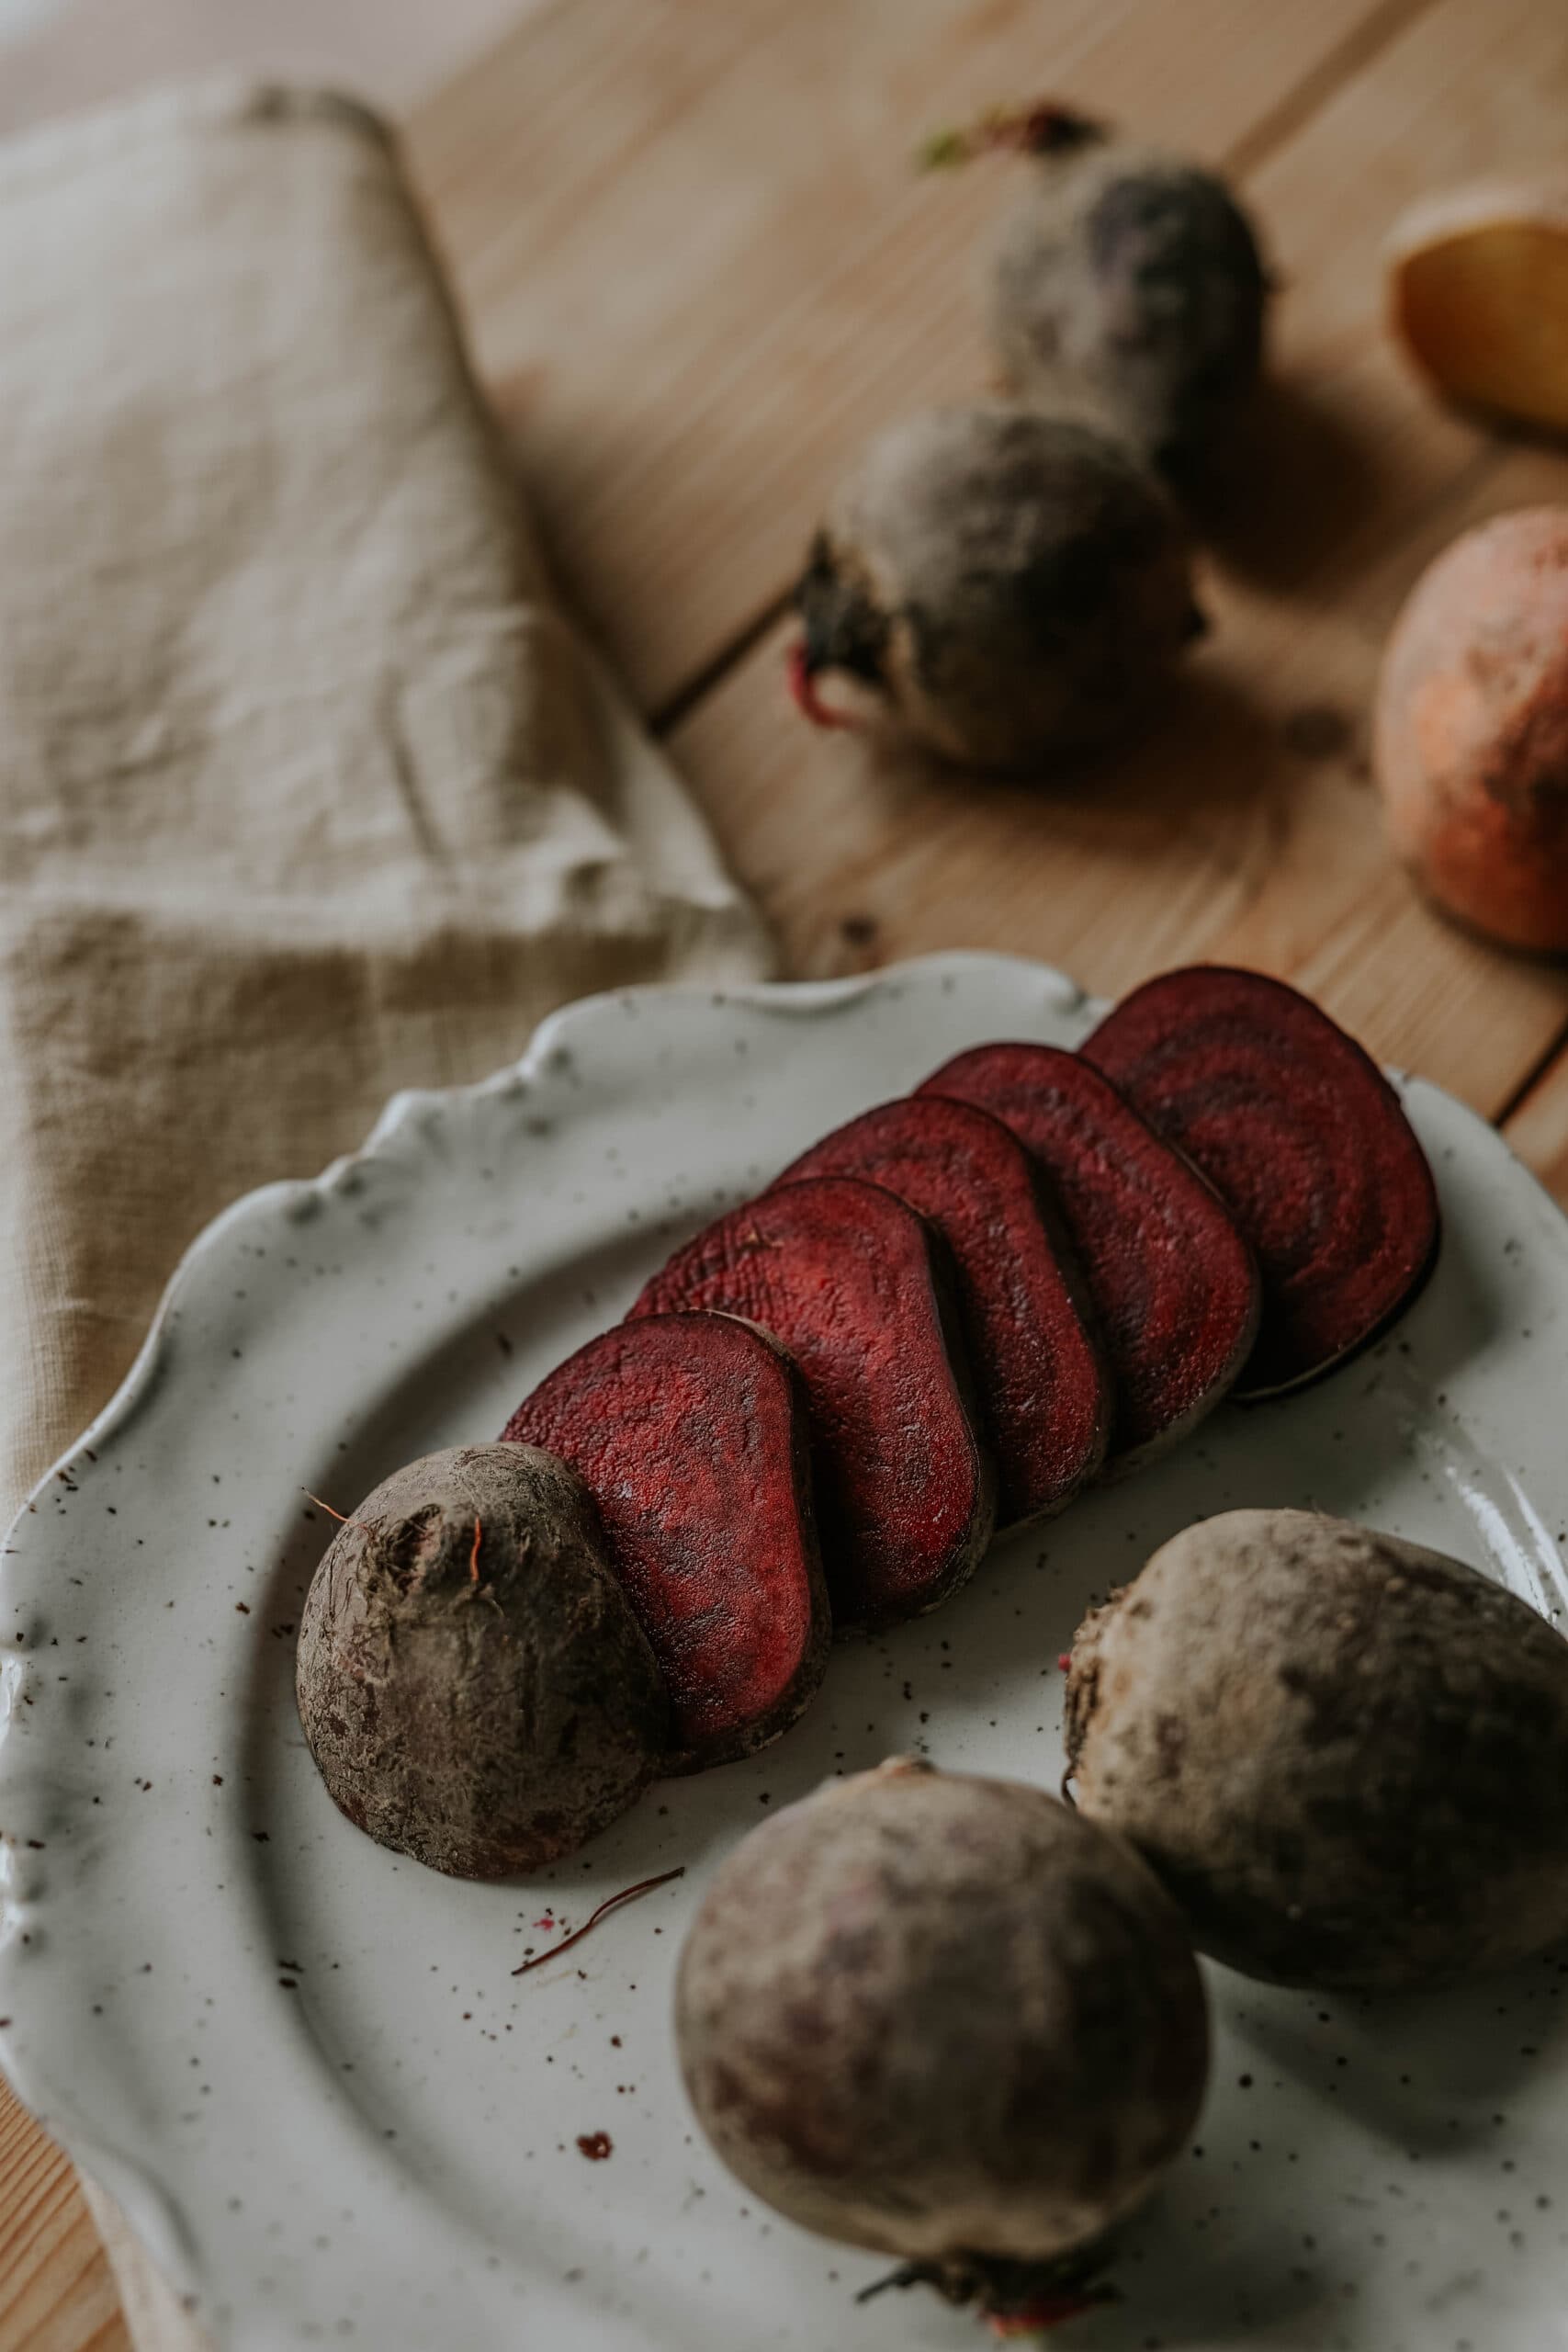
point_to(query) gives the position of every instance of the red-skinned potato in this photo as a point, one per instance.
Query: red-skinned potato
(1470, 733)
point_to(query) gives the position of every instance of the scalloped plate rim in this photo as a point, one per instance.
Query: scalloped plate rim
(48, 2092)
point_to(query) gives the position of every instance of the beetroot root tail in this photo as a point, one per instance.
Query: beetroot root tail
(804, 695)
(1054, 2310)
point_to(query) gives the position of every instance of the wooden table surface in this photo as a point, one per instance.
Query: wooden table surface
(699, 269)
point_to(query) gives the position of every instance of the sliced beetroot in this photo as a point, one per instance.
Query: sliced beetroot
(1173, 1283)
(690, 1432)
(1305, 1139)
(1044, 1385)
(855, 1285)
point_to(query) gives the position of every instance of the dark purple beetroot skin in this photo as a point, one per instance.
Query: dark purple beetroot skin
(1306, 1140)
(853, 1285)
(946, 2018)
(690, 1432)
(473, 1684)
(1044, 1384)
(1172, 1283)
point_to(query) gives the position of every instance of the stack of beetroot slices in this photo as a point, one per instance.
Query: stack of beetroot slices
(955, 1313)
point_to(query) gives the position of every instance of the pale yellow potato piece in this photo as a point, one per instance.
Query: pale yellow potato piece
(1478, 291)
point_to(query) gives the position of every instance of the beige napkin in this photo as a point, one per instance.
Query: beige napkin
(306, 793)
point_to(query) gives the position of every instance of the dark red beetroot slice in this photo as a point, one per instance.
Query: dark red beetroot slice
(690, 1431)
(1173, 1282)
(1304, 1137)
(1044, 1384)
(853, 1285)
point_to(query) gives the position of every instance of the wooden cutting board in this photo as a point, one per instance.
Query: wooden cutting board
(699, 268)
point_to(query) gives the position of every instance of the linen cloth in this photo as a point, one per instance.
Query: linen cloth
(308, 791)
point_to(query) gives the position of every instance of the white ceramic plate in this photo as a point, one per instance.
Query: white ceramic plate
(303, 2065)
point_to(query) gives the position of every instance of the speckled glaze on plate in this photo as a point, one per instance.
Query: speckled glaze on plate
(303, 2065)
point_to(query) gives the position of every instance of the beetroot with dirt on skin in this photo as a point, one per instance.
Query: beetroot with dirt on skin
(1012, 586)
(1043, 1381)
(856, 1286)
(689, 1431)
(472, 1681)
(1172, 1283)
(1126, 287)
(950, 2020)
(1305, 1140)
(1344, 1755)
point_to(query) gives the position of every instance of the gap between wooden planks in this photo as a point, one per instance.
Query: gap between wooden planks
(1537, 1129)
(698, 270)
(793, 287)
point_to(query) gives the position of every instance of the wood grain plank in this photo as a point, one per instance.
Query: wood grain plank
(56, 2294)
(1244, 826)
(701, 267)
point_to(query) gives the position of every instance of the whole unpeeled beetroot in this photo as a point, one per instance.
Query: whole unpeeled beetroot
(1345, 1756)
(1304, 1140)
(473, 1685)
(1173, 1285)
(947, 2019)
(690, 1433)
(857, 1289)
(1014, 586)
(1042, 1382)
(1126, 286)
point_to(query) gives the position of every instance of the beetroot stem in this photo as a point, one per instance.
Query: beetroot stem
(610, 1903)
(1045, 127)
